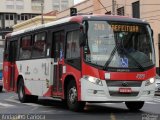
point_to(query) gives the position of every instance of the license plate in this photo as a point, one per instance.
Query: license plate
(125, 90)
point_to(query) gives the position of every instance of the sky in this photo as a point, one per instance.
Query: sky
(77, 1)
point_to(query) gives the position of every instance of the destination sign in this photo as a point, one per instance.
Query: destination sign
(125, 28)
(116, 27)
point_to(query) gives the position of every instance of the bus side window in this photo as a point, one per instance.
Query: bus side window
(39, 47)
(25, 47)
(58, 45)
(73, 48)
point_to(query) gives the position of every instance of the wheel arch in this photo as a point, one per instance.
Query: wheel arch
(67, 80)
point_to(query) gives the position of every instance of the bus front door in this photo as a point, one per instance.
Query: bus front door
(12, 59)
(58, 62)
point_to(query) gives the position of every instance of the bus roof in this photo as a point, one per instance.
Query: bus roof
(78, 19)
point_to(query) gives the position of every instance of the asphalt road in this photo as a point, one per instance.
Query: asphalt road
(47, 108)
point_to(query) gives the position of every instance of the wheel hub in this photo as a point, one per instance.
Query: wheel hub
(73, 95)
(21, 92)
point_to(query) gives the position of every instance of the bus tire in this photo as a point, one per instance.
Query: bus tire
(1, 88)
(72, 98)
(21, 92)
(134, 106)
(33, 98)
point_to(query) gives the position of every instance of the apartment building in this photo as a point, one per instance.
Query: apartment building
(148, 10)
(16, 11)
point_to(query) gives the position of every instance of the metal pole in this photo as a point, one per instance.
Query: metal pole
(113, 7)
(42, 7)
(125, 8)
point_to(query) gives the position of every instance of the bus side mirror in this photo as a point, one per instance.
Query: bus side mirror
(82, 39)
(152, 32)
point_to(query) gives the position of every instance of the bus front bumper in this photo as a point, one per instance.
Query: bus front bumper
(103, 93)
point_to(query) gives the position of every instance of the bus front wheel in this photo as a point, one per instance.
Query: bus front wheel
(72, 98)
(21, 92)
(134, 106)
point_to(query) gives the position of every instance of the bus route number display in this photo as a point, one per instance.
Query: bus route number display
(116, 27)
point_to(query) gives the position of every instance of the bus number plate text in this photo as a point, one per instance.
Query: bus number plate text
(125, 90)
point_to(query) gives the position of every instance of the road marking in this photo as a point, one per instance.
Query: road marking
(30, 104)
(12, 100)
(33, 104)
(50, 111)
(11, 97)
(151, 102)
(156, 100)
(6, 105)
(33, 109)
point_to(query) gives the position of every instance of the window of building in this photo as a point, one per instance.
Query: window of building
(56, 5)
(26, 17)
(64, 6)
(39, 47)
(22, 17)
(120, 11)
(11, 16)
(19, 4)
(25, 47)
(9, 4)
(36, 4)
(136, 9)
(19, 17)
(64, 2)
(0, 23)
(33, 16)
(56, 1)
(37, 1)
(7, 16)
(19, 7)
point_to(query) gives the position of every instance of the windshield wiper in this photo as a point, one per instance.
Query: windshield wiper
(137, 63)
(110, 58)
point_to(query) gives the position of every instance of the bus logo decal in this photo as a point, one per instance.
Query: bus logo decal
(140, 76)
(124, 62)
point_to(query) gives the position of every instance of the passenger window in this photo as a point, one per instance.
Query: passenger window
(39, 47)
(25, 47)
(58, 45)
(73, 48)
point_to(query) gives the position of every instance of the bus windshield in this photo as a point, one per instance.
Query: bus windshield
(119, 45)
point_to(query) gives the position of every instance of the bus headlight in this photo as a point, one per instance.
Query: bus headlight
(150, 81)
(94, 80)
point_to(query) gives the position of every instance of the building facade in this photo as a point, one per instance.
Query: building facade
(144, 9)
(16, 11)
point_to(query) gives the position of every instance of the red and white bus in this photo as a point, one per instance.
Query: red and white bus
(84, 58)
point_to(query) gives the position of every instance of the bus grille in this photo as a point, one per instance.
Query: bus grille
(115, 83)
(118, 94)
(118, 83)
